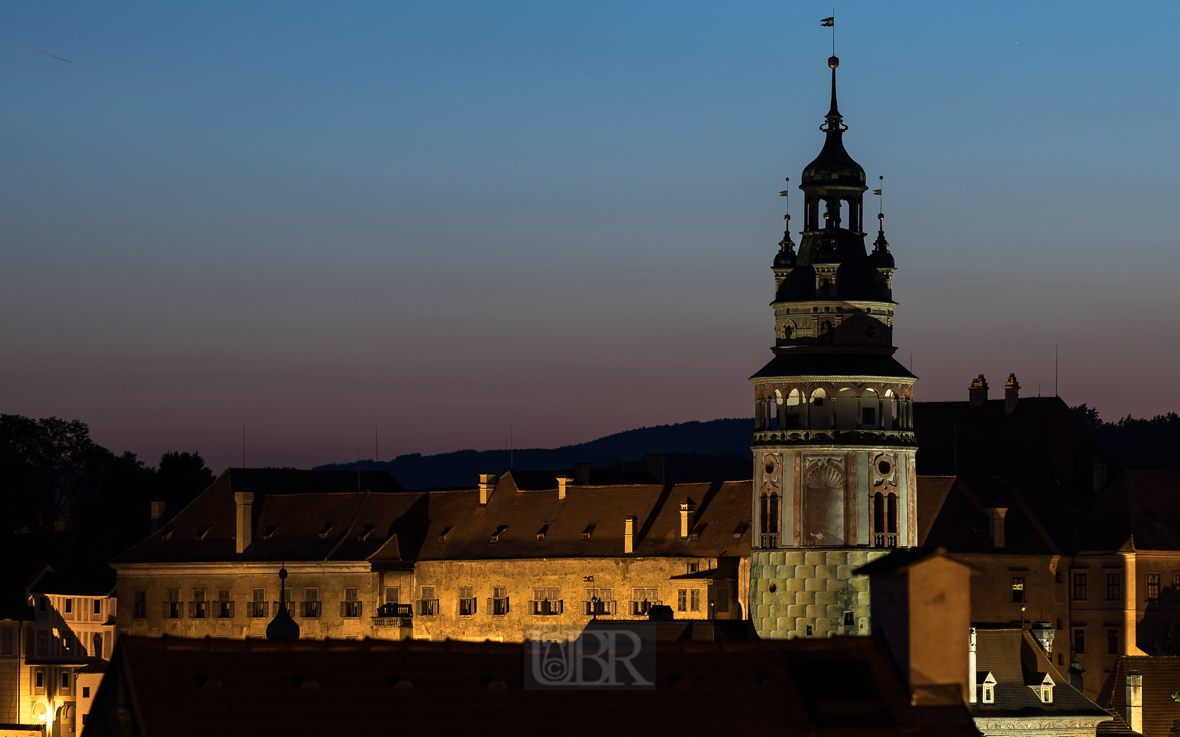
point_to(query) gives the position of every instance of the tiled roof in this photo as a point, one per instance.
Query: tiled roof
(952, 513)
(1014, 659)
(816, 363)
(1138, 511)
(314, 523)
(194, 687)
(1161, 679)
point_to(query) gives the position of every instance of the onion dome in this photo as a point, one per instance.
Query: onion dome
(282, 627)
(833, 166)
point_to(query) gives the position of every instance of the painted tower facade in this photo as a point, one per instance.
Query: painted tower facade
(834, 483)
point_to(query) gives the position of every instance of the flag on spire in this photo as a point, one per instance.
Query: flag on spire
(828, 22)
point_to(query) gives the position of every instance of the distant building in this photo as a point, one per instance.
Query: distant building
(367, 558)
(835, 483)
(54, 646)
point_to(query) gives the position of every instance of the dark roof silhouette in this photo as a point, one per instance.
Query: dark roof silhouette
(829, 362)
(952, 513)
(1140, 511)
(194, 687)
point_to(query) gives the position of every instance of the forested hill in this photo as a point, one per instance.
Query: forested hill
(724, 439)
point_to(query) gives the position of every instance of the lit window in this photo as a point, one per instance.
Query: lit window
(499, 601)
(466, 601)
(1017, 588)
(350, 608)
(310, 606)
(694, 600)
(682, 600)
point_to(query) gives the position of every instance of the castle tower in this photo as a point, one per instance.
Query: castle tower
(834, 483)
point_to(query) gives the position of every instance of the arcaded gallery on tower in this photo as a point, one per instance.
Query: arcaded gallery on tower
(834, 478)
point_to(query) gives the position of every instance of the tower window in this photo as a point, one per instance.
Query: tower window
(869, 416)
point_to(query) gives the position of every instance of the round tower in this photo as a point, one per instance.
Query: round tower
(834, 483)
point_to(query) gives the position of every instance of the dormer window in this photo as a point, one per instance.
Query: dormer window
(203, 530)
(499, 531)
(324, 532)
(1043, 689)
(989, 689)
(442, 536)
(586, 533)
(270, 532)
(364, 534)
(542, 532)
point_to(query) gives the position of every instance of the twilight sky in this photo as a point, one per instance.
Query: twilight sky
(449, 219)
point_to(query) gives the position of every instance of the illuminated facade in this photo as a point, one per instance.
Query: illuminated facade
(53, 654)
(834, 477)
(520, 552)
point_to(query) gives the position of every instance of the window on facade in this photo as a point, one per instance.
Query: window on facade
(172, 604)
(849, 619)
(258, 605)
(97, 652)
(85, 695)
(1153, 587)
(68, 608)
(310, 606)
(498, 604)
(546, 602)
(224, 608)
(1079, 587)
(65, 681)
(42, 646)
(770, 520)
(350, 608)
(599, 602)
(428, 604)
(466, 601)
(694, 600)
(1113, 587)
(694, 567)
(198, 608)
(97, 608)
(682, 600)
(67, 644)
(1017, 588)
(39, 679)
(392, 594)
(1079, 641)
(42, 603)
(642, 600)
(884, 520)
(1112, 642)
(7, 640)
(989, 694)
(139, 605)
(721, 599)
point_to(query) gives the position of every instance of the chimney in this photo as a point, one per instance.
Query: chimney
(971, 669)
(582, 471)
(920, 599)
(1099, 475)
(157, 515)
(1135, 701)
(629, 534)
(656, 466)
(686, 514)
(977, 393)
(1043, 633)
(245, 519)
(1011, 394)
(487, 485)
(995, 525)
(563, 482)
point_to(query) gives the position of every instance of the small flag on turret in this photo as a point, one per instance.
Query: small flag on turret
(876, 191)
(828, 22)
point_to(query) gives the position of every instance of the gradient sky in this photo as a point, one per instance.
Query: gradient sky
(446, 220)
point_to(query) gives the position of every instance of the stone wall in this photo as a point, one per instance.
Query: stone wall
(794, 589)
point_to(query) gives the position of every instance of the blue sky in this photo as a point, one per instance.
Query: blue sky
(448, 219)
